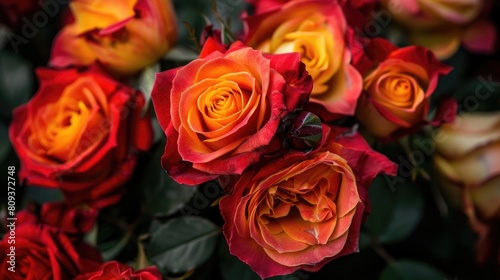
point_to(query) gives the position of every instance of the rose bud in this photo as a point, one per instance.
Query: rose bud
(304, 132)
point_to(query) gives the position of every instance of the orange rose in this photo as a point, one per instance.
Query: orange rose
(468, 160)
(81, 133)
(304, 209)
(221, 112)
(443, 25)
(317, 30)
(123, 36)
(397, 88)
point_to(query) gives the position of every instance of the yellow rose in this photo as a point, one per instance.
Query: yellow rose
(123, 36)
(317, 30)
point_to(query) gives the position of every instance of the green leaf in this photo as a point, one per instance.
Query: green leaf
(459, 61)
(111, 249)
(158, 134)
(364, 240)
(231, 267)
(396, 212)
(4, 141)
(146, 82)
(411, 270)
(161, 194)
(182, 243)
(179, 53)
(479, 94)
(16, 82)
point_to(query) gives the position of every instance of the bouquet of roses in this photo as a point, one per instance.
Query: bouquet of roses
(264, 139)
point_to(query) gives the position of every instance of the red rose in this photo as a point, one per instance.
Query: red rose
(304, 209)
(40, 252)
(74, 221)
(221, 112)
(398, 84)
(80, 133)
(115, 270)
(71, 220)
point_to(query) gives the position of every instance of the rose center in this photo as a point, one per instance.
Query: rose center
(397, 90)
(300, 211)
(66, 128)
(314, 41)
(221, 104)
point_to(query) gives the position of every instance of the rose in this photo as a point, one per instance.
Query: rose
(73, 220)
(304, 209)
(397, 89)
(466, 154)
(40, 252)
(80, 133)
(433, 13)
(114, 269)
(318, 31)
(221, 112)
(467, 159)
(442, 25)
(123, 36)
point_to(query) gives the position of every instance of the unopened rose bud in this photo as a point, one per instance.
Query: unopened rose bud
(305, 131)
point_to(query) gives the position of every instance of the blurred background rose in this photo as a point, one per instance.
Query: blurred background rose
(468, 160)
(122, 36)
(443, 25)
(44, 252)
(397, 88)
